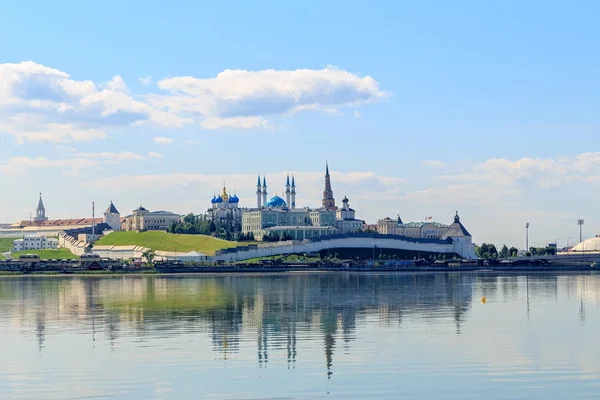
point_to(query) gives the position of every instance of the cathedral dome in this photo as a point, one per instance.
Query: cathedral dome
(214, 200)
(276, 201)
(218, 200)
(234, 199)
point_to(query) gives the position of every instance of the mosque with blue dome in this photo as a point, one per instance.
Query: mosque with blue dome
(280, 216)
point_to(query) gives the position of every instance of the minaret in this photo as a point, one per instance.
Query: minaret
(328, 200)
(258, 193)
(40, 212)
(264, 191)
(288, 192)
(293, 192)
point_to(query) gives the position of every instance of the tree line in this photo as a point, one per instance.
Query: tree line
(489, 251)
(227, 229)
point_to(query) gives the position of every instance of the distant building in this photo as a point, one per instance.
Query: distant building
(282, 217)
(224, 208)
(41, 222)
(345, 219)
(34, 242)
(145, 220)
(428, 230)
(425, 230)
(112, 217)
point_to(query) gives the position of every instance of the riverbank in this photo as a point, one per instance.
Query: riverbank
(298, 269)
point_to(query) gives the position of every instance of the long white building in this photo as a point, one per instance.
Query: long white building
(34, 242)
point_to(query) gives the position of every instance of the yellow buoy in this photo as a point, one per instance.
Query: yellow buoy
(483, 300)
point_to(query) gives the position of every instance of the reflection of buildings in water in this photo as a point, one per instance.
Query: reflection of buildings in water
(275, 310)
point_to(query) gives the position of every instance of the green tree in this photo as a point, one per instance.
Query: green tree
(513, 252)
(149, 255)
(503, 252)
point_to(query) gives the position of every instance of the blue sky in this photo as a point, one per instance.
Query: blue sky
(421, 108)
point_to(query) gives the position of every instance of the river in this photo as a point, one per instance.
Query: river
(305, 336)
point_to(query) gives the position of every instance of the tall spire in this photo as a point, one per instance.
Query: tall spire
(258, 182)
(40, 203)
(287, 182)
(328, 199)
(40, 212)
(293, 181)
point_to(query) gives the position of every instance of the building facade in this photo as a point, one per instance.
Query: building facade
(145, 220)
(225, 207)
(281, 216)
(34, 242)
(425, 230)
(345, 219)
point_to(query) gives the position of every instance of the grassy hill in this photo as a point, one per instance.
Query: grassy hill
(60, 254)
(158, 240)
(6, 244)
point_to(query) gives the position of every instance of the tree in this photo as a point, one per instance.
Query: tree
(503, 252)
(149, 255)
(513, 252)
(486, 251)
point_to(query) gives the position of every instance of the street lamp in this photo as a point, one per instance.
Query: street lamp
(580, 223)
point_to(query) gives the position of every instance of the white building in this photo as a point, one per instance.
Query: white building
(34, 242)
(226, 208)
(112, 217)
(345, 219)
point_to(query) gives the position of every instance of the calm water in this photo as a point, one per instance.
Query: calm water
(343, 336)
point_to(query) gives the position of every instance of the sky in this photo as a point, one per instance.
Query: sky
(420, 108)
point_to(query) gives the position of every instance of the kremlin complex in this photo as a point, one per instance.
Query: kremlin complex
(270, 219)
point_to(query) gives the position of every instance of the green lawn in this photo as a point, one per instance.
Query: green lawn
(60, 254)
(6, 244)
(158, 240)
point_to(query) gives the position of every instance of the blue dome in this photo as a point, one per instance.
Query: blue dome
(214, 199)
(234, 199)
(276, 202)
(218, 199)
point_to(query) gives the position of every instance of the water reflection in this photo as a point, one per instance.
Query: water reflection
(274, 314)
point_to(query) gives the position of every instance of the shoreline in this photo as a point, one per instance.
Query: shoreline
(286, 270)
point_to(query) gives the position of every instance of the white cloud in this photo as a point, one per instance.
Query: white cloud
(22, 165)
(153, 154)
(38, 103)
(51, 132)
(115, 156)
(433, 163)
(163, 140)
(357, 114)
(235, 123)
(240, 97)
(146, 80)
(542, 172)
(117, 84)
